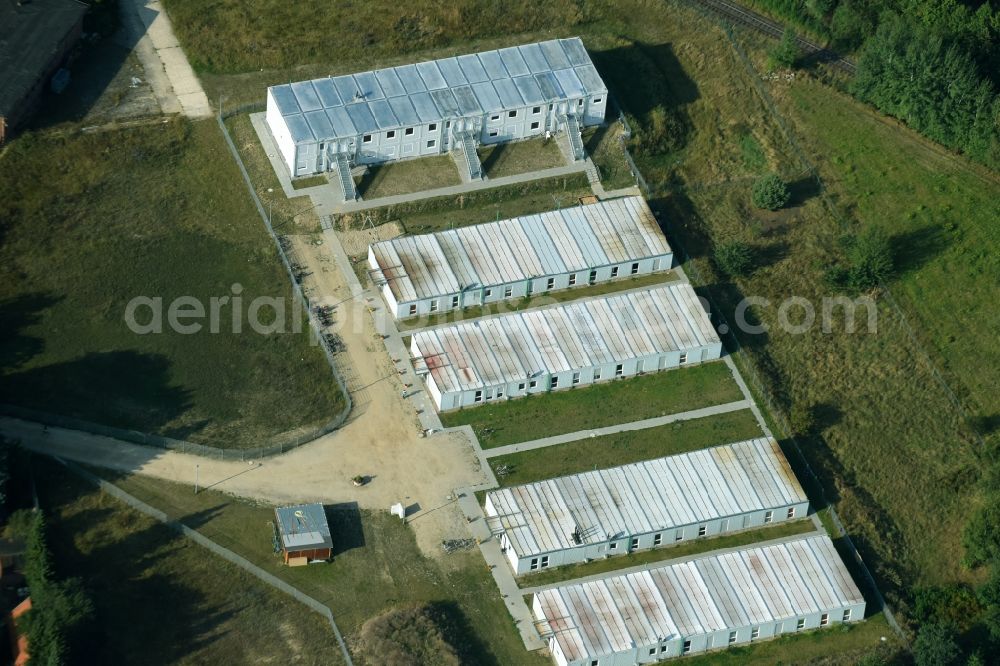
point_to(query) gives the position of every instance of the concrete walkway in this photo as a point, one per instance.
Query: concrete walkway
(168, 71)
(555, 440)
(663, 563)
(511, 594)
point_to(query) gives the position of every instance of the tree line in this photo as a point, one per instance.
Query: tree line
(934, 64)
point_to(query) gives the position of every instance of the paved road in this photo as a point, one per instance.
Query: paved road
(714, 410)
(174, 83)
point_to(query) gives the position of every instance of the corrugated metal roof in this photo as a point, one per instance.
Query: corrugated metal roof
(463, 357)
(616, 231)
(303, 526)
(646, 497)
(535, 73)
(713, 593)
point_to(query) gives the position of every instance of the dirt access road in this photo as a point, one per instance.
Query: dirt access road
(381, 439)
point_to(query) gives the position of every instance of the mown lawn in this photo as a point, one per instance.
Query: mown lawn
(510, 159)
(622, 448)
(489, 205)
(377, 566)
(684, 549)
(161, 599)
(602, 404)
(425, 173)
(91, 221)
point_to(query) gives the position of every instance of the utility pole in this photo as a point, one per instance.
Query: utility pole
(196, 470)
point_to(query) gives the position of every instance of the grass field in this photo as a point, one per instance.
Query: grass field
(376, 566)
(685, 549)
(510, 159)
(490, 205)
(602, 404)
(877, 406)
(603, 144)
(622, 448)
(426, 173)
(158, 211)
(550, 298)
(295, 215)
(161, 599)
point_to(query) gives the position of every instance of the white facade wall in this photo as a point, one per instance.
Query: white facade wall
(587, 376)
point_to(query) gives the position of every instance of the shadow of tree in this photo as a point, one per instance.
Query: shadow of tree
(455, 625)
(126, 389)
(18, 314)
(802, 190)
(915, 247)
(146, 612)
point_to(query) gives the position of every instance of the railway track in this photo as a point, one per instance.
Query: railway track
(752, 19)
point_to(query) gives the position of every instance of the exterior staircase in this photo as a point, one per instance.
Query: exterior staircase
(467, 158)
(572, 143)
(343, 169)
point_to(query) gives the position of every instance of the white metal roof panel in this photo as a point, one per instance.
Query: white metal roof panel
(509, 94)
(570, 83)
(341, 121)
(362, 117)
(411, 79)
(487, 96)
(452, 72)
(638, 498)
(383, 114)
(431, 74)
(493, 64)
(327, 92)
(306, 96)
(402, 108)
(285, 99)
(514, 61)
(571, 239)
(535, 59)
(319, 122)
(528, 74)
(707, 594)
(425, 107)
(528, 87)
(298, 128)
(472, 68)
(590, 79)
(390, 83)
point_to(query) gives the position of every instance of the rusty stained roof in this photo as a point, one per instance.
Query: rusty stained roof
(574, 336)
(732, 590)
(616, 231)
(645, 497)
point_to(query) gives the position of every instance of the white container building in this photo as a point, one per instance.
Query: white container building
(711, 602)
(650, 504)
(519, 257)
(561, 347)
(432, 107)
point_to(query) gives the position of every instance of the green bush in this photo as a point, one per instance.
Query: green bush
(871, 261)
(935, 646)
(734, 258)
(785, 53)
(981, 536)
(770, 192)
